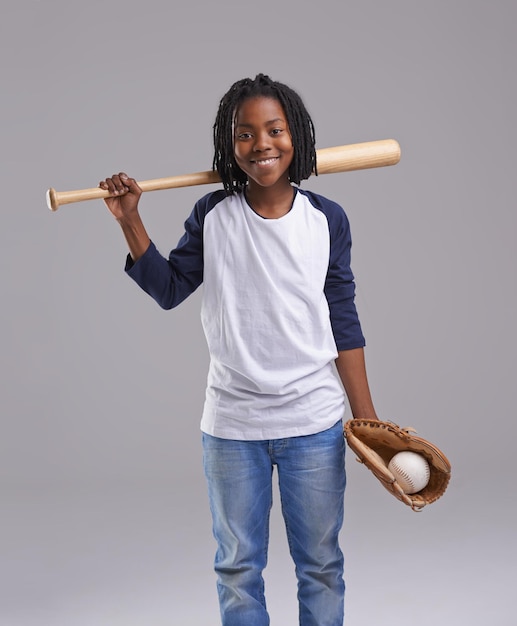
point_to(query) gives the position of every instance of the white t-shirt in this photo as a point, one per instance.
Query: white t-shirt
(265, 311)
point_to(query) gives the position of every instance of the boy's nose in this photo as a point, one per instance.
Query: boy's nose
(261, 143)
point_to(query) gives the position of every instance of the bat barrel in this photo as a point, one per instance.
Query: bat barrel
(358, 156)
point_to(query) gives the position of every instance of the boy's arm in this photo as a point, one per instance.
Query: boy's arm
(136, 236)
(352, 371)
(124, 206)
(168, 281)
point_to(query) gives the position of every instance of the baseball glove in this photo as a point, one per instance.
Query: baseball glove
(375, 442)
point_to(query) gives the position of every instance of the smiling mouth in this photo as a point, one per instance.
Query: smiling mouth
(265, 162)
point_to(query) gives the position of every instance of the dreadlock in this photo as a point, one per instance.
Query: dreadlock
(299, 121)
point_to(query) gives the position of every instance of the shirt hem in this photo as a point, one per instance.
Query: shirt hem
(274, 433)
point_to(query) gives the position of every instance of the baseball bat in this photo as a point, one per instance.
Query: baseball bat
(357, 156)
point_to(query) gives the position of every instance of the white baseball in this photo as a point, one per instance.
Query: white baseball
(411, 471)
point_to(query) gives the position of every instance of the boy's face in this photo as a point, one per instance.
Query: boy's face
(263, 147)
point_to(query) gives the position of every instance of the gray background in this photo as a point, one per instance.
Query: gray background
(103, 508)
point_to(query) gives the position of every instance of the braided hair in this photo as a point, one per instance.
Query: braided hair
(299, 121)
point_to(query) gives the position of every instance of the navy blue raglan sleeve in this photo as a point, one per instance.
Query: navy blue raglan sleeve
(339, 284)
(170, 281)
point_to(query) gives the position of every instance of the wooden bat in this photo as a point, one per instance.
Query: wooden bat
(357, 156)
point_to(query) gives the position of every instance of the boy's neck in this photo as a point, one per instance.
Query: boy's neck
(271, 202)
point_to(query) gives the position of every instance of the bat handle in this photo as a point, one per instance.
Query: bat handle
(56, 198)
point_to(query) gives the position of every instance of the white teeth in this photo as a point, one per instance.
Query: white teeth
(266, 161)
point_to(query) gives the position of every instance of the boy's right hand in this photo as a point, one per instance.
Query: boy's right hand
(125, 194)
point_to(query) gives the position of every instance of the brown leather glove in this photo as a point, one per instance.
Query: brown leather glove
(375, 443)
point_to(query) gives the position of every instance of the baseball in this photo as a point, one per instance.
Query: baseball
(411, 471)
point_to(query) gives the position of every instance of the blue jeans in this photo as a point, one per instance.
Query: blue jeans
(311, 475)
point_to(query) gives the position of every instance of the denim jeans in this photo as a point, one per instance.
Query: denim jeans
(311, 475)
